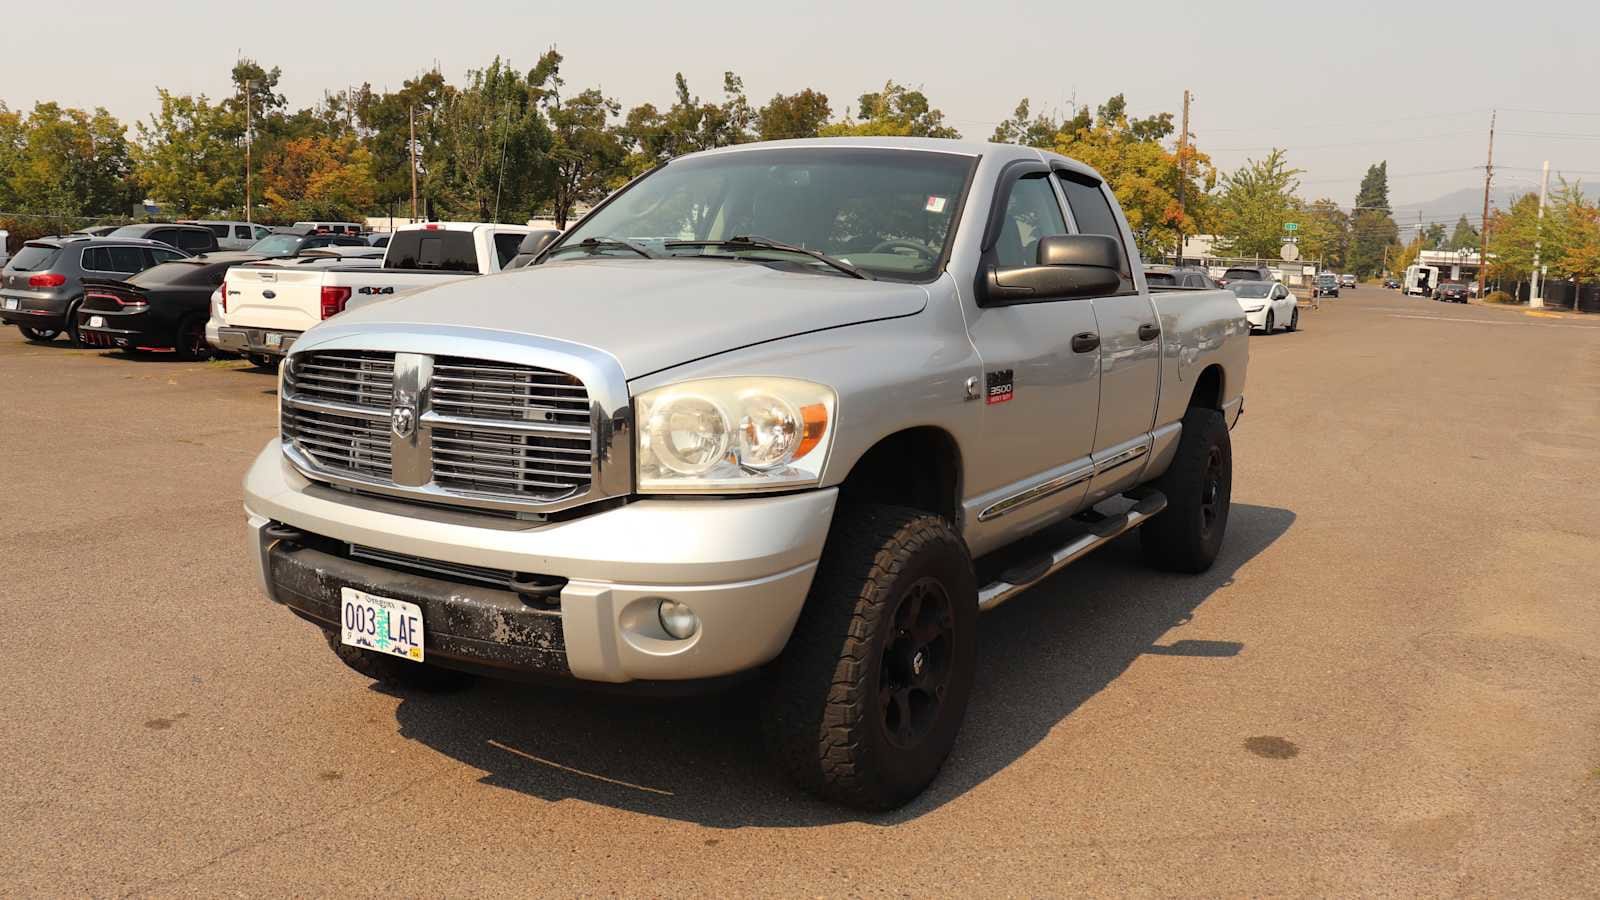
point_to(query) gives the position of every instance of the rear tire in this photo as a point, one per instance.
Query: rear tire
(1272, 323)
(397, 673)
(1187, 536)
(870, 692)
(38, 335)
(74, 336)
(189, 342)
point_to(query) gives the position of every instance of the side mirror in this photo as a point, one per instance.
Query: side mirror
(1069, 266)
(535, 241)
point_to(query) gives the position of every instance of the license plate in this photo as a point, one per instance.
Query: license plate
(380, 624)
(11, 303)
(274, 339)
(97, 321)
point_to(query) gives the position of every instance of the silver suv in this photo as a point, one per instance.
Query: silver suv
(42, 287)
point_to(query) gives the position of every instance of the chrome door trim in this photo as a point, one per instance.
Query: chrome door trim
(1035, 493)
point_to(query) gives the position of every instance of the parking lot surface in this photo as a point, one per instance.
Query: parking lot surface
(1385, 686)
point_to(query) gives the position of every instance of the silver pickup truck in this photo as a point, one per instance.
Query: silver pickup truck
(778, 410)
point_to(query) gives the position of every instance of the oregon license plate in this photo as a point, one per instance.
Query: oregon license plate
(11, 303)
(274, 339)
(380, 624)
(97, 321)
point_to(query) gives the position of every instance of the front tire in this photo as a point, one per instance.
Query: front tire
(1187, 535)
(396, 673)
(870, 692)
(1272, 324)
(1294, 320)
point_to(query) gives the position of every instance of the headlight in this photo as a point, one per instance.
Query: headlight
(733, 434)
(1251, 309)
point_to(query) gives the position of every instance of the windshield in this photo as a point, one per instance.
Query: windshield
(277, 245)
(1327, 279)
(1250, 289)
(888, 212)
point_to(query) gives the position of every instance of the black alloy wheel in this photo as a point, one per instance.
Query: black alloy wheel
(918, 659)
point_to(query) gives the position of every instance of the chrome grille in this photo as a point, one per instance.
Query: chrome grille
(355, 377)
(471, 389)
(472, 431)
(340, 442)
(533, 465)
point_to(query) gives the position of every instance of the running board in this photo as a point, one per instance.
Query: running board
(1019, 578)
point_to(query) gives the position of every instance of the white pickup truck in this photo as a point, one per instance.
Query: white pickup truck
(266, 307)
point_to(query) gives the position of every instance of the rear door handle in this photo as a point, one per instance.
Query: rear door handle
(1148, 332)
(1086, 342)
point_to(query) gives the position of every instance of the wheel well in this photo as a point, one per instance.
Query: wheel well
(1208, 389)
(919, 467)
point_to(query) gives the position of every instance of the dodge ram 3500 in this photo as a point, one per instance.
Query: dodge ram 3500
(757, 414)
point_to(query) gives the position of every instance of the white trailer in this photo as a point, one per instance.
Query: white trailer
(1421, 280)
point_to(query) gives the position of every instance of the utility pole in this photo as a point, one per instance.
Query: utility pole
(1483, 236)
(413, 163)
(1183, 172)
(249, 140)
(1536, 297)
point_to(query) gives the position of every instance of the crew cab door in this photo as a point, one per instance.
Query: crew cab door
(1130, 349)
(1040, 382)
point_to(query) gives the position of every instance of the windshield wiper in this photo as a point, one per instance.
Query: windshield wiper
(755, 242)
(592, 244)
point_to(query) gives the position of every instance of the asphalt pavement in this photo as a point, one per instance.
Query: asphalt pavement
(1387, 684)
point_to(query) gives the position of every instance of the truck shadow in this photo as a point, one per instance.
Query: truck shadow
(701, 759)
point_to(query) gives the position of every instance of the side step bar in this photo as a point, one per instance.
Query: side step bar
(1019, 578)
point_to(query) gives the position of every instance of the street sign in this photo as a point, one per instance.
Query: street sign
(1290, 252)
(1291, 226)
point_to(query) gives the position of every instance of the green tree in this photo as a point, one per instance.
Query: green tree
(494, 142)
(65, 162)
(895, 111)
(1514, 236)
(1373, 229)
(1026, 129)
(387, 119)
(1324, 234)
(689, 125)
(1255, 202)
(191, 155)
(1433, 236)
(587, 155)
(1464, 237)
(799, 115)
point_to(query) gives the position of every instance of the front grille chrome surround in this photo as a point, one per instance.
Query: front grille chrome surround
(460, 430)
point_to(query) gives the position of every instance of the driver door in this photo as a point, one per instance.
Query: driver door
(1041, 379)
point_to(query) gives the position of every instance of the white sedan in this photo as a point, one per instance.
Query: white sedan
(1267, 304)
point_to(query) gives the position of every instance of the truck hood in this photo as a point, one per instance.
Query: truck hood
(649, 314)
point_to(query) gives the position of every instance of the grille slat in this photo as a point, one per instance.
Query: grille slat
(502, 430)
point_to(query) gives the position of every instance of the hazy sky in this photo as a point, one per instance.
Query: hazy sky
(1339, 84)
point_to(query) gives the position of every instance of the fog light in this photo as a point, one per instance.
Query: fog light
(678, 619)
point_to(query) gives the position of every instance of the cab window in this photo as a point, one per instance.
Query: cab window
(1031, 213)
(1092, 211)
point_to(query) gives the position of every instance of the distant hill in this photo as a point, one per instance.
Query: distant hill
(1452, 206)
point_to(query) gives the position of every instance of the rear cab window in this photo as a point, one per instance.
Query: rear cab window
(445, 251)
(505, 247)
(1092, 211)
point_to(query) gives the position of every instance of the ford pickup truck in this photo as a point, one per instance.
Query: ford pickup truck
(781, 411)
(266, 308)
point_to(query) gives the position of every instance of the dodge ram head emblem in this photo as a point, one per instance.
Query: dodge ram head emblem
(404, 421)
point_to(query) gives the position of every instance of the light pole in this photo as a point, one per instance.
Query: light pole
(249, 139)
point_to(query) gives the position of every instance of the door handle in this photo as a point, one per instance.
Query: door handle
(1149, 332)
(1086, 342)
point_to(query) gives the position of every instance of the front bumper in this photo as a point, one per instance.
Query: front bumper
(1257, 319)
(251, 340)
(743, 565)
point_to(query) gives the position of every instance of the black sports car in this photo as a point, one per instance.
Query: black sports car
(161, 308)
